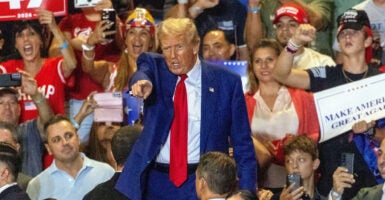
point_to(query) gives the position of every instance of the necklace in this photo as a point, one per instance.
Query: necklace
(348, 79)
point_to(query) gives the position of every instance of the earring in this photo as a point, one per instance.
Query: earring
(126, 51)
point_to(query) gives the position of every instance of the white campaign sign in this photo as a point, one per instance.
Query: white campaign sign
(340, 107)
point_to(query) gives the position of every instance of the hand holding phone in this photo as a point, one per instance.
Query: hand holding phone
(293, 178)
(347, 161)
(110, 16)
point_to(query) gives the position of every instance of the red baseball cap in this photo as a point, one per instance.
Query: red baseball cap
(291, 10)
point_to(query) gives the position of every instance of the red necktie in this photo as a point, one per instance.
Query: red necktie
(178, 139)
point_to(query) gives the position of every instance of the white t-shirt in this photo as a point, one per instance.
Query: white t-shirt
(376, 17)
(310, 58)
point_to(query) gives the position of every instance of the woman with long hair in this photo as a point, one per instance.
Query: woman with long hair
(139, 37)
(50, 73)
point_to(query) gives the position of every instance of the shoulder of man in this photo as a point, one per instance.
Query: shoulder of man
(99, 165)
(217, 68)
(374, 192)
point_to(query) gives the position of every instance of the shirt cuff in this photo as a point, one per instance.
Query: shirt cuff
(334, 194)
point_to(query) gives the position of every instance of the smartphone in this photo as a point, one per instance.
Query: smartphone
(110, 15)
(7, 80)
(293, 178)
(347, 160)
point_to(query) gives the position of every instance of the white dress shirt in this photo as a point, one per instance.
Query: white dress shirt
(194, 95)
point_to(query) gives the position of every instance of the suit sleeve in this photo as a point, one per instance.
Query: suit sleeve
(241, 141)
(144, 63)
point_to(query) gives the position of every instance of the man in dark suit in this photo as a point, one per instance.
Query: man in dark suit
(10, 165)
(121, 145)
(216, 176)
(10, 136)
(216, 117)
(343, 179)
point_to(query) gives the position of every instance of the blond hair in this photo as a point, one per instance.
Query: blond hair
(124, 70)
(179, 27)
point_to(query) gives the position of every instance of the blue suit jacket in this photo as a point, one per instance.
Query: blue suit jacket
(223, 117)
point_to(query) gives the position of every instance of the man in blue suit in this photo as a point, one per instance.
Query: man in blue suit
(216, 117)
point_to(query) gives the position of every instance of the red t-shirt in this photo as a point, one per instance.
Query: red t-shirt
(50, 81)
(79, 26)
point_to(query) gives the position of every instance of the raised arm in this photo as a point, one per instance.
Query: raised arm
(254, 30)
(190, 9)
(69, 63)
(77, 42)
(283, 71)
(87, 108)
(98, 70)
(29, 87)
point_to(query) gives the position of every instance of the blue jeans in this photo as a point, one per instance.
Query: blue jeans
(85, 126)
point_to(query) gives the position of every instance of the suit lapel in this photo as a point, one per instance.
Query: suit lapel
(168, 84)
(209, 103)
(168, 81)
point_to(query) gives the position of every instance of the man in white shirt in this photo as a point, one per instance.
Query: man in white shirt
(72, 174)
(287, 19)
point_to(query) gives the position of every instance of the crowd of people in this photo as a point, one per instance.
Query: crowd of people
(198, 133)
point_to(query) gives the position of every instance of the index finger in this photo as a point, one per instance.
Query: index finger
(136, 90)
(91, 95)
(23, 73)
